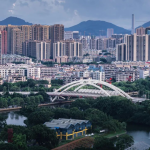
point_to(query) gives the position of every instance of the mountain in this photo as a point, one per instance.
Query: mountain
(147, 24)
(14, 21)
(94, 27)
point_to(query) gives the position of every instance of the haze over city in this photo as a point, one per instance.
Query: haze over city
(75, 74)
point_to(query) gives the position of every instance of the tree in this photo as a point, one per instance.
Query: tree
(37, 100)
(80, 104)
(8, 146)
(4, 89)
(17, 101)
(20, 141)
(124, 142)
(41, 98)
(16, 129)
(2, 121)
(96, 117)
(32, 99)
(61, 113)
(44, 136)
(39, 117)
(102, 143)
(11, 102)
(75, 113)
(103, 60)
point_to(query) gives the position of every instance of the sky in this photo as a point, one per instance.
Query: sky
(72, 12)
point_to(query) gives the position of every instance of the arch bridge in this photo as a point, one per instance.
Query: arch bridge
(77, 86)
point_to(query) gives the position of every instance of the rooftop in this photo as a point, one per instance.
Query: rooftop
(64, 123)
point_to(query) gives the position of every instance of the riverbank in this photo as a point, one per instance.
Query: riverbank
(107, 135)
(40, 105)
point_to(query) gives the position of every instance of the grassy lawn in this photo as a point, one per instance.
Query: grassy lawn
(114, 134)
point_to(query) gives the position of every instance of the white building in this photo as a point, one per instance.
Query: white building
(34, 72)
(97, 75)
(43, 50)
(110, 32)
(143, 74)
(49, 71)
(68, 35)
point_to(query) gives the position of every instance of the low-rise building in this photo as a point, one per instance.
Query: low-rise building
(34, 72)
(15, 58)
(49, 71)
(69, 128)
(16, 78)
(126, 75)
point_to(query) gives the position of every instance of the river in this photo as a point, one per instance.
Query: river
(139, 133)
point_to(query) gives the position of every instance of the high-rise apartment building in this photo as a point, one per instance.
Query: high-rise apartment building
(27, 32)
(16, 41)
(67, 48)
(140, 31)
(119, 38)
(68, 35)
(147, 30)
(56, 34)
(0, 47)
(92, 43)
(9, 29)
(2, 27)
(40, 32)
(133, 29)
(75, 49)
(4, 42)
(136, 48)
(110, 32)
(59, 49)
(84, 43)
(111, 43)
(37, 49)
(100, 44)
(43, 50)
(76, 35)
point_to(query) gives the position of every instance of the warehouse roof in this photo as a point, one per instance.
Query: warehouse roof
(64, 123)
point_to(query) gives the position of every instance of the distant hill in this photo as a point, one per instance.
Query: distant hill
(94, 27)
(14, 21)
(147, 24)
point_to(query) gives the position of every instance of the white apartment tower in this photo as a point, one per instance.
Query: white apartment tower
(43, 50)
(136, 48)
(110, 32)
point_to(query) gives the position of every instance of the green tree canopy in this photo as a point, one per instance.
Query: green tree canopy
(44, 136)
(102, 143)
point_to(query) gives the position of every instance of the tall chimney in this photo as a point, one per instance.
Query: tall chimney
(133, 30)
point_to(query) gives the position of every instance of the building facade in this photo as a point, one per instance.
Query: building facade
(136, 48)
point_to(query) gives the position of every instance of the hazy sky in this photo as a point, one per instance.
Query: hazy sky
(71, 12)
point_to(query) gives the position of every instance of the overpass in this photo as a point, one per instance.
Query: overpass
(74, 89)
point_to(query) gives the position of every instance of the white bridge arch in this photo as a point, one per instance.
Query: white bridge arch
(81, 83)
